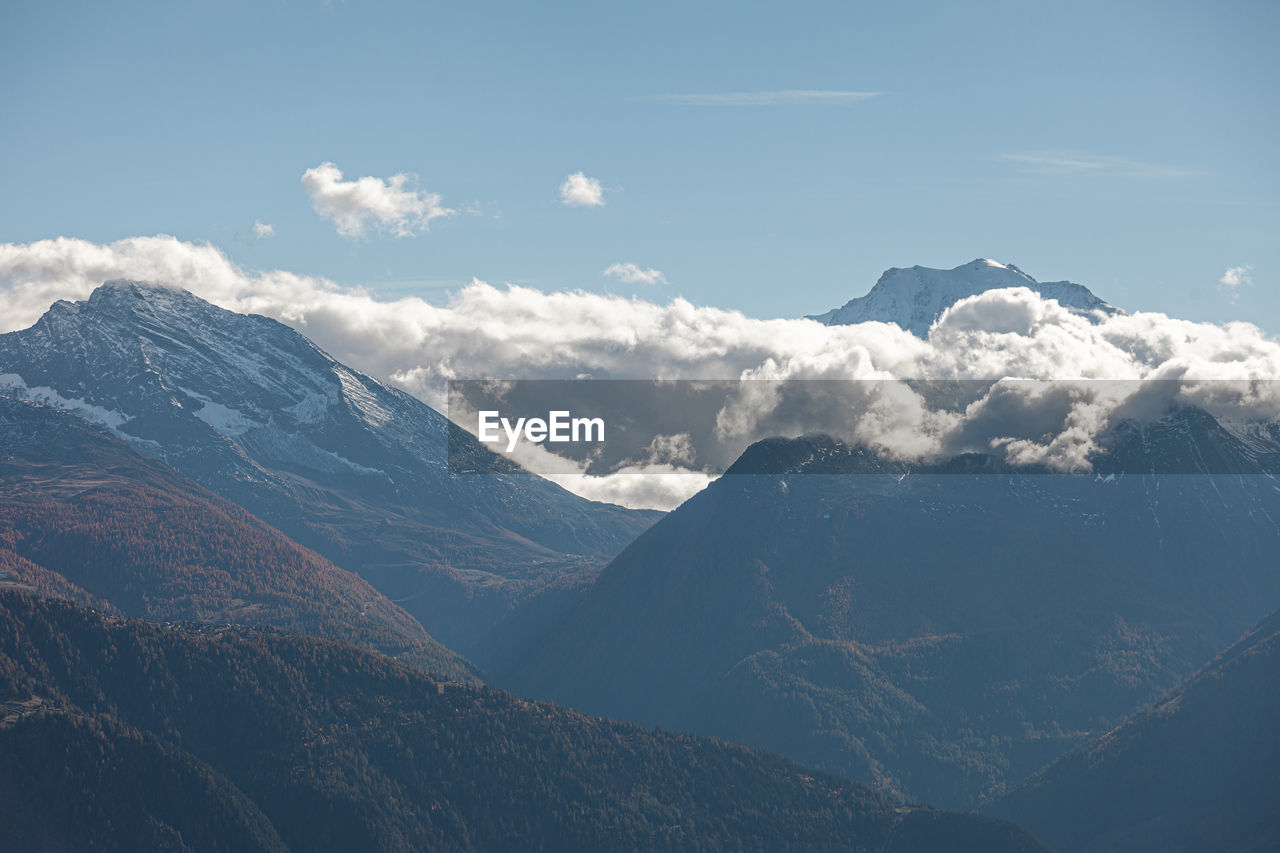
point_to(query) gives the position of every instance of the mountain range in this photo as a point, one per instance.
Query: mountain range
(253, 411)
(938, 634)
(962, 631)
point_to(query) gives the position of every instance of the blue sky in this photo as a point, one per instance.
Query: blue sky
(1126, 146)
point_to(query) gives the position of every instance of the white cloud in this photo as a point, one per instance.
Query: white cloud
(661, 487)
(1074, 162)
(262, 230)
(1235, 278)
(580, 191)
(392, 205)
(674, 449)
(629, 273)
(488, 331)
(764, 99)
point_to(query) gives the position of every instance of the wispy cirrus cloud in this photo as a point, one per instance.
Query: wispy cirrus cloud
(630, 273)
(393, 204)
(763, 99)
(1075, 162)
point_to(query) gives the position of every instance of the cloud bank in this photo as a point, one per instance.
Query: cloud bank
(391, 205)
(519, 332)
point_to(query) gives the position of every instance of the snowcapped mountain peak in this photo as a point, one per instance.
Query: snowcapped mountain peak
(133, 328)
(182, 378)
(915, 297)
(120, 293)
(979, 263)
(252, 410)
(133, 287)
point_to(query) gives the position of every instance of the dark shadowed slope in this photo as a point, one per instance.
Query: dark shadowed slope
(252, 410)
(332, 748)
(939, 635)
(85, 517)
(1197, 771)
(103, 786)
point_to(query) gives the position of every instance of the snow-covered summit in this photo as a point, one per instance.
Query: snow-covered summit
(212, 392)
(253, 410)
(914, 298)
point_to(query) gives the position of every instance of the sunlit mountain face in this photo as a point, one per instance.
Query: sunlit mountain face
(252, 410)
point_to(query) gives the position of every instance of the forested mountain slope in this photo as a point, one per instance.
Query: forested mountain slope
(85, 517)
(940, 631)
(287, 742)
(1198, 770)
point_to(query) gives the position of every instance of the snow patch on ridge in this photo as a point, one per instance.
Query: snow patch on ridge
(224, 419)
(311, 409)
(12, 383)
(361, 398)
